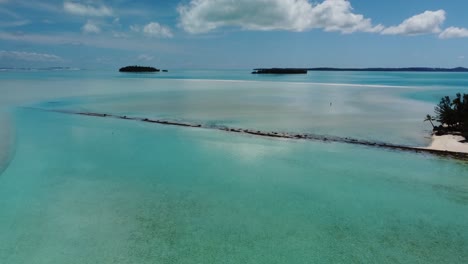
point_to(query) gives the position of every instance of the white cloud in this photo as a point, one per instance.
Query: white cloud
(135, 28)
(99, 41)
(90, 27)
(337, 15)
(29, 56)
(40, 5)
(86, 9)
(425, 23)
(154, 29)
(454, 32)
(201, 16)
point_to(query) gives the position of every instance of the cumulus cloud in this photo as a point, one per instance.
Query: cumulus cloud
(86, 9)
(454, 32)
(425, 23)
(90, 28)
(28, 56)
(201, 16)
(154, 29)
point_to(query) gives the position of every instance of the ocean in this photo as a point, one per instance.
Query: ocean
(81, 189)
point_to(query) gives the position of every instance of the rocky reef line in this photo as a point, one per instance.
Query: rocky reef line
(272, 134)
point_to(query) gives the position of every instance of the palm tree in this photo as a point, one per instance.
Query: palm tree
(430, 119)
(445, 113)
(452, 115)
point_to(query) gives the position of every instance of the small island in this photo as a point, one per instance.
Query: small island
(280, 71)
(138, 69)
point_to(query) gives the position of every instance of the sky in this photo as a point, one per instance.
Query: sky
(233, 34)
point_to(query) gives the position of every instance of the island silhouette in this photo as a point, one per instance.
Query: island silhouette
(305, 70)
(138, 69)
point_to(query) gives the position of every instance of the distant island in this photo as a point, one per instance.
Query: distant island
(305, 70)
(138, 69)
(408, 69)
(280, 71)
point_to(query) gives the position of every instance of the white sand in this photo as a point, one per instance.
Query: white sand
(449, 143)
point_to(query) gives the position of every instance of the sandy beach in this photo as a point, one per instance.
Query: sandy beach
(449, 143)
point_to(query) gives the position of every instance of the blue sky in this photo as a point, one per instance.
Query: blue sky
(233, 34)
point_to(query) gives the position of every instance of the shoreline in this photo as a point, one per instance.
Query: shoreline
(448, 143)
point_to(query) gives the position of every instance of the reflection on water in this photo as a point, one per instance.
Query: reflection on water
(364, 112)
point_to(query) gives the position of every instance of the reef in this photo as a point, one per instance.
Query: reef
(283, 135)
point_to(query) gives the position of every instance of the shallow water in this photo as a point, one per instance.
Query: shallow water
(85, 190)
(375, 113)
(7, 141)
(89, 190)
(376, 106)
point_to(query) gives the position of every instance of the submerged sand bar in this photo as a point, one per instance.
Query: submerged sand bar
(458, 153)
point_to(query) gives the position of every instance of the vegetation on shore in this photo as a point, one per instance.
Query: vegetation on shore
(452, 114)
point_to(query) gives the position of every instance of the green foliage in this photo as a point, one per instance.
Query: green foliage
(444, 112)
(464, 131)
(453, 114)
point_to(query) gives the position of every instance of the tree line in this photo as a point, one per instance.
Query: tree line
(452, 114)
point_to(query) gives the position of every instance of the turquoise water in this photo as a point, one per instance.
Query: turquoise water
(87, 190)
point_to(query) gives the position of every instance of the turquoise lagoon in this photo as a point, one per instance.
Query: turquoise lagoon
(77, 189)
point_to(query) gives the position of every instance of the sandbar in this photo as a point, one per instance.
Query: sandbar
(449, 143)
